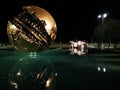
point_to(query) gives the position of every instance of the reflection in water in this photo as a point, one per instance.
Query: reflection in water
(77, 51)
(101, 69)
(32, 73)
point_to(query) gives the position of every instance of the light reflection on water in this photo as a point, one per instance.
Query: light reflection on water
(37, 71)
(77, 51)
(32, 73)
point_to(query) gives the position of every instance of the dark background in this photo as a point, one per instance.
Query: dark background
(74, 18)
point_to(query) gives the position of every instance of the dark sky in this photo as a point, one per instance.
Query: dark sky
(74, 18)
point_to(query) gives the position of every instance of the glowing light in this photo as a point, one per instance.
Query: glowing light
(38, 75)
(102, 16)
(48, 82)
(101, 69)
(48, 27)
(98, 68)
(99, 16)
(13, 26)
(75, 50)
(14, 84)
(55, 74)
(75, 44)
(105, 15)
(18, 73)
(104, 69)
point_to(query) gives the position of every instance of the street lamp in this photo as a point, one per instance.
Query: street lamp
(102, 16)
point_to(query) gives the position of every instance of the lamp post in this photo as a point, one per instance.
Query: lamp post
(102, 17)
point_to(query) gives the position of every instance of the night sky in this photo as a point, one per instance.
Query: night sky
(74, 18)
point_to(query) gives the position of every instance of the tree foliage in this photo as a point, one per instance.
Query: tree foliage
(107, 32)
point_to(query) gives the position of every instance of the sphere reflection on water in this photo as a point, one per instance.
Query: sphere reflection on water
(31, 73)
(33, 29)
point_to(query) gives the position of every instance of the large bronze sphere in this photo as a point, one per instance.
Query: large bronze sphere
(33, 29)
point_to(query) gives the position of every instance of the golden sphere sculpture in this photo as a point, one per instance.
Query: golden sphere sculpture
(32, 30)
